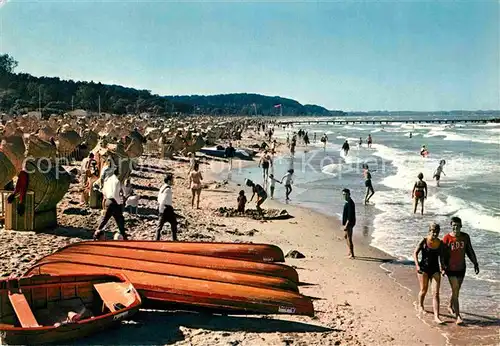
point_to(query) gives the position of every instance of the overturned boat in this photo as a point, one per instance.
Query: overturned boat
(102, 263)
(113, 251)
(157, 289)
(247, 251)
(55, 308)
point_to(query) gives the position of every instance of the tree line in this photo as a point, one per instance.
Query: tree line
(22, 92)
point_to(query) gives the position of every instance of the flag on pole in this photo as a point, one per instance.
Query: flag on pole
(277, 106)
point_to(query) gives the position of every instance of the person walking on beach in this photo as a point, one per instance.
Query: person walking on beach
(439, 171)
(349, 220)
(430, 267)
(419, 193)
(167, 213)
(368, 183)
(260, 192)
(272, 184)
(458, 244)
(112, 192)
(195, 179)
(229, 154)
(288, 177)
(369, 141)
(265, 162)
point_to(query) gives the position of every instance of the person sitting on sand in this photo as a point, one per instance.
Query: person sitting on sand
(260, 192)
(458, 244)
(430, 267)
(439, 171)
(195, 179)
(242, 201)
(288, 177)
(165, 208)
(419, 193)
(272, 184)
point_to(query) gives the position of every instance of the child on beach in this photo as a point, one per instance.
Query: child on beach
(272, 183)
(242, 201)
(439, 170)
(288, 177)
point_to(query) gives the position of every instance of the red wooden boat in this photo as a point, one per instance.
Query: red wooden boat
(42, 309)
(157, 288)
(172, 270)
(225, 264)
(251, 252)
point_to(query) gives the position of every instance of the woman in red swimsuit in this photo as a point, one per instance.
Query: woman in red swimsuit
(458, 245)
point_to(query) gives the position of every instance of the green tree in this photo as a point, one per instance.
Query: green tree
(7, 64)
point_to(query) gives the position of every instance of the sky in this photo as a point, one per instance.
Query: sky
(343, 55)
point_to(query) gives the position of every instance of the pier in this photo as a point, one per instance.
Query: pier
(386, 121)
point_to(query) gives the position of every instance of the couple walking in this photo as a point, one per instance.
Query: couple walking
(444, 257)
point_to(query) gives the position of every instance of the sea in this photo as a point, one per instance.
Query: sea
(470, 188)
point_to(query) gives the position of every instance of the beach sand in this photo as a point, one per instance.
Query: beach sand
(356, 301)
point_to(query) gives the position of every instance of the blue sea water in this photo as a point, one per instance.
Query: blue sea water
(470, 189)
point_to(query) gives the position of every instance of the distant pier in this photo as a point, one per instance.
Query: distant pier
(386, 122)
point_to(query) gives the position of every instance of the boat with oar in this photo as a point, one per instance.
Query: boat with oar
(41, 309)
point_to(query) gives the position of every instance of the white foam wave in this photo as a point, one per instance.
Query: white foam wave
(453, 136)
(332, 169)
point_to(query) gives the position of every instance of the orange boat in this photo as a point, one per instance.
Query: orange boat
(251, 252)
(158, 288)
(42, 309)
(172, 270)
(225, 264)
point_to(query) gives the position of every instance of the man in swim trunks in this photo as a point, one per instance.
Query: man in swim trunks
(349, 220)
(265, 162)
(458, 245)
(345, 147)
(369, 141)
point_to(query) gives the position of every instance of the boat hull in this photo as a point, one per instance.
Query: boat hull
(172, 270)
(159, 256)
(252, 252)
(61, 332)
(157, 288)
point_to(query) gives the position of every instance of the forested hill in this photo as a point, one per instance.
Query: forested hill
(22, 92)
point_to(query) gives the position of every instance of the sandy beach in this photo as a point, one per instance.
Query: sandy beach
(356, 301)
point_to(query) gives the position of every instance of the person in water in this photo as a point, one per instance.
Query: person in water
(368, 183)
(360, 143)
(288, 177)
(323, 140)
(411, 135)
(195, 179)
(260, 192)
(265, 162)
(439, 171)
(458, 244)
(349, 220)
(345, 147)
(430, 267)
(369, 140)
(423, 151)
(419, 193)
